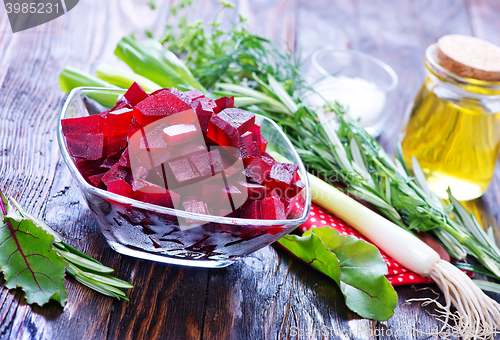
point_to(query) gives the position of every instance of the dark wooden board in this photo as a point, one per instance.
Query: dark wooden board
(267, 295)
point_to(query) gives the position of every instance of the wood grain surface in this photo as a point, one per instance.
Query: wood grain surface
(267, 295)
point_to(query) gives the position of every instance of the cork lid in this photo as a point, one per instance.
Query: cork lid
(469, 57)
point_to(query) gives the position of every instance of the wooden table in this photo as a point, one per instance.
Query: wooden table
(266, 295)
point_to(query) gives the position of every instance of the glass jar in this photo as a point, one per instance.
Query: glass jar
(453, 129)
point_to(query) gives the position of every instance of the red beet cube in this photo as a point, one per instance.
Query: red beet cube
(120, 187)
(152, 138)
(89, 168)
(259, 169)
(135, 94)
(282, 175)
(216, 162)
(226, 127)
(154, 194)
(124, 159)
(194, 206)
(248, 148)
(96, 179)
(258, 138)
(295, 188)
(116, 172)
(182, 170)
(251, 210)
(224, 103)
(80, 125)
(272, 208)
(108, 163)
(86, 145)
(204, 111)
(116, 122)
(189, 96)
(115, 144)
(255, 191)
(158, 106)
(179, 134)
(201, 162)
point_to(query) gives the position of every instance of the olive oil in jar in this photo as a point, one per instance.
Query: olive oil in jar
(454, 124)
(455, 141)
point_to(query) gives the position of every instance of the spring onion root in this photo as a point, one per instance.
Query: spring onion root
(477, 315)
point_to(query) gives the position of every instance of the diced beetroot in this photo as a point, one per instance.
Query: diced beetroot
(89, 168)
(255, 191)
(258, 170)
(248, 148)
(204, 111)
(226, 127)
(86, 145)
(116, 122)
(189, 96)
(189, 150)
(282, 175)
(96, 179)
(216, 162)
(272, 208)
(108, 163)
(135, 94)
(154, 194)
(179, 134)
(120, 187)
(80, 125)
(115, 144)
(224, 103)
(182, 170)
(116, 172)
(258, 138)
(124, 159)
(201, 162)
(194, 206)
(158, 106)
(134, 126)
(121, 103)
(212, 193)
(251, 210)
(235, 195)
(294, 189)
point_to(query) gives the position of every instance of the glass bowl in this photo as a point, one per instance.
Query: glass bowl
(153, 232)
(360, 82)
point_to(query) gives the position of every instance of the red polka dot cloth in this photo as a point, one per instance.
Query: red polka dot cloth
(397, 276)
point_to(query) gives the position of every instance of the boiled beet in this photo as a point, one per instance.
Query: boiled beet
(226, 127)
(179, 134)
(158, 106)
(86, 145)
(258, 138)
(259, 169)
(154, 194)
(201, 162)
(81, 125)
(96, 179)
(255, 191)
(204, 110)
(224, 103)
(120, 187)
(115, 144)
(116, 172)
(182, 170)
(251, 210)
(116, 122)
(282, 175)
(135, 94)
(272, 208)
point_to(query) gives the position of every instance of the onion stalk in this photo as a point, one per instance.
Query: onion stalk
(477, 316)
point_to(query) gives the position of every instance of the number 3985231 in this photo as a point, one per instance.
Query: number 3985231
(31, 8)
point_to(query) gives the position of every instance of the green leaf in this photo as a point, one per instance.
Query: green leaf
(124, 79)
(488, 286)
(356, 266)
(28, 261)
